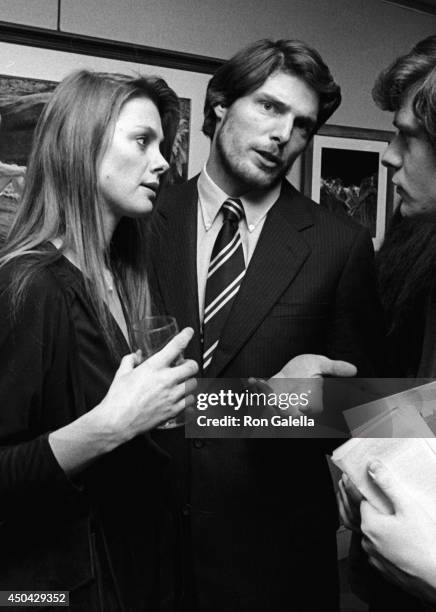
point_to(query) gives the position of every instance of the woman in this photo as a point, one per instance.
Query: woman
(80, 489)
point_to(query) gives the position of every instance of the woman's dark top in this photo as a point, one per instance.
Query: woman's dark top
(96, 536)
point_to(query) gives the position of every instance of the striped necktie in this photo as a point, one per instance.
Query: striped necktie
(225, 274)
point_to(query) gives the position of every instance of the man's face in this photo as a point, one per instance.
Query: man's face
(260, 135)
(413, 159)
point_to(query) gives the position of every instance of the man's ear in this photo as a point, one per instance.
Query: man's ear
(220, 111)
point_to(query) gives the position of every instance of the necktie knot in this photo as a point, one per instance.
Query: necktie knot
(233, 210)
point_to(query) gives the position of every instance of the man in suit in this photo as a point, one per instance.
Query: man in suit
(259, 515)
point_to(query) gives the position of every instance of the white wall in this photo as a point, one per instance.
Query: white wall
(357, 38)
(37, 13)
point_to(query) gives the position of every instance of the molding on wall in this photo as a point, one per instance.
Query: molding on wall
(419, 6)
(58, 26)
(101, 47)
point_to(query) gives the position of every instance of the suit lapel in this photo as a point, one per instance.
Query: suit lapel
(279, 255)
(178, 260)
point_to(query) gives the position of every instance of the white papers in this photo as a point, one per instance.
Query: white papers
(412, 460)
(394, 431)
(371, 419)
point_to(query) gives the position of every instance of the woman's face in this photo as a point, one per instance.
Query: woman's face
(129, 172)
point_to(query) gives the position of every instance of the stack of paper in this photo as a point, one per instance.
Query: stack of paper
(409, 452)
(413, 461)
(372, 419)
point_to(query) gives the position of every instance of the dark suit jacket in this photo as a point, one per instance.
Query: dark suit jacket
(261, 513)
(427, 365)
(366, 581)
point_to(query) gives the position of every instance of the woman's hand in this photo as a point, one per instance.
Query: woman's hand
(145, 395)
(141, 396)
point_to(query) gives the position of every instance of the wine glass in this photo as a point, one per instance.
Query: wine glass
(151, 334)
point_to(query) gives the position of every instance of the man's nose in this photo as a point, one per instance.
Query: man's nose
(391, 157)
(282, 129)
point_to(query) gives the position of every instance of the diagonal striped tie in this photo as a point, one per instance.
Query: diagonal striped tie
(225, 274)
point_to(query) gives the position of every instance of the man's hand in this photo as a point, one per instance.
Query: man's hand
(402, 545)
(315, 366)
(303, 367)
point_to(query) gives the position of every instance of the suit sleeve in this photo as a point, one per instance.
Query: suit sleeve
(357, 331)
(33, 372)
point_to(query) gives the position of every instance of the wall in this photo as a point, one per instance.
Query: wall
(356, 37)
(38, 13)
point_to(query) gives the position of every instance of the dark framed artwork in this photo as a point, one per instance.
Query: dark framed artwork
(344, 173)
(21, 102)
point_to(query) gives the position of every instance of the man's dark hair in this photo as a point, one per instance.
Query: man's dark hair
(250, 68)
(416, 70)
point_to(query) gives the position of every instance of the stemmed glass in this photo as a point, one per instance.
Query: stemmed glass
(151, 334)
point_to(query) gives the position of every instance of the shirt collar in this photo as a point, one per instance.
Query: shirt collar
(256, 203)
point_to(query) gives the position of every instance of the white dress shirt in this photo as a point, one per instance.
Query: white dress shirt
(210, 219)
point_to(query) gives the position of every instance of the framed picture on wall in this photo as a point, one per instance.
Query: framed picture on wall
(33, 61)
(21, 102)
(344, 173)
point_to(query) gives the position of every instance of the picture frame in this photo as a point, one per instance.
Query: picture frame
(22, 100)
(34, 60)
(342, 170)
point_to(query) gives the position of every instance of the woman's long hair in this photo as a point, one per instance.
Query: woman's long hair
(62, 199)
